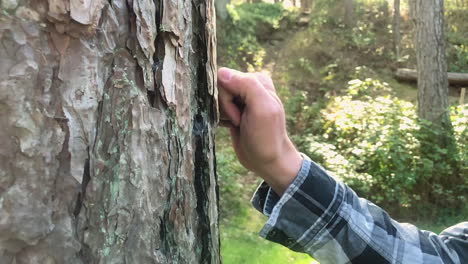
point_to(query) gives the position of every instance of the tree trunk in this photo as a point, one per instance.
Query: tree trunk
(396, 27)
(445, 176)
(305, 4)
(106, 129)
(431, 61)
(221, 8)
(349, 13)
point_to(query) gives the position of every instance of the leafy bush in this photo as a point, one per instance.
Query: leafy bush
(459, 120)
(301, 118)
(376, 145)
(458, 57)
(231, 177)
(457, 36)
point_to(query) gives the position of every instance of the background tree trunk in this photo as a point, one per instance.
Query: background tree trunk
(396, 27)
(306, 4)
(221, 8)
(433, 106)
(106, 129)
(431, 61)
(349, 13)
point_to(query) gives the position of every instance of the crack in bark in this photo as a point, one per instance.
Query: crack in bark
(155, 97)
(200, 132)
(202, 183)
(84, 184)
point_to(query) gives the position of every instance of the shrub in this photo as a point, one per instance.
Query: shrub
(379, 147)
(231, 177)
(457, 37)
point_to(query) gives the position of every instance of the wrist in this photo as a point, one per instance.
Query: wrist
(282, 172)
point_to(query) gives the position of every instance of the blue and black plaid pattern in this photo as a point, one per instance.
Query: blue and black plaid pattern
(323, 217)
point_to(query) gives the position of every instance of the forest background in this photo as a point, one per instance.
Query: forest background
(334, 64)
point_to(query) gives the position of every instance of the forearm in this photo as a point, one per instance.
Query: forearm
(281, 172)
(326, 219)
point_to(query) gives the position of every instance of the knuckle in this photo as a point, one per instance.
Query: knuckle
(271, 111)
(265, 76)
(276, 110)
(266, 80)
(250, 81)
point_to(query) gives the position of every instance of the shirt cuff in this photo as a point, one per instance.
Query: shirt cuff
(306, 207)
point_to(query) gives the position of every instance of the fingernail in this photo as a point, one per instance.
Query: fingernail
(225, 74)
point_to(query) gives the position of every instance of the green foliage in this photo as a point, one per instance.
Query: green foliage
(230, 173)
(240, 243)
(362, 36)
(380, 148)
(459, 120)
(301, 116)
(240, 35)
(458, 56)
(457, 36)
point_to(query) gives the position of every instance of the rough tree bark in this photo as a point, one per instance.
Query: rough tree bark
(433, 106)
(428, 16)
(106, 137)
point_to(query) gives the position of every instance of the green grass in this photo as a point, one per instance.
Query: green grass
(241, 243)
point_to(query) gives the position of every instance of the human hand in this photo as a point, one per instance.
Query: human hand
(256, 119)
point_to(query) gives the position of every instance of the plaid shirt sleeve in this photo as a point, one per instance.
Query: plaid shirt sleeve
(323, 217)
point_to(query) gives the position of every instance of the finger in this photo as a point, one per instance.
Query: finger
(222, 113)
(266, 81)
(235, 136)
(244, 85)
(229, 108)
(275, 96)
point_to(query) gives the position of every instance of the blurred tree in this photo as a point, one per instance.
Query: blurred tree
(106, 137)
(349, 13)
(221, 8)
(306, 4)
(396, 27)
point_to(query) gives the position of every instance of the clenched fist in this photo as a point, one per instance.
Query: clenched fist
(256, 119)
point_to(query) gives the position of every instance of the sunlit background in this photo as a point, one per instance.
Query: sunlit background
(334, 66)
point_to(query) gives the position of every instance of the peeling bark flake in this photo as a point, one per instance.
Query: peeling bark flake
(86, 12)
(169, 73)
